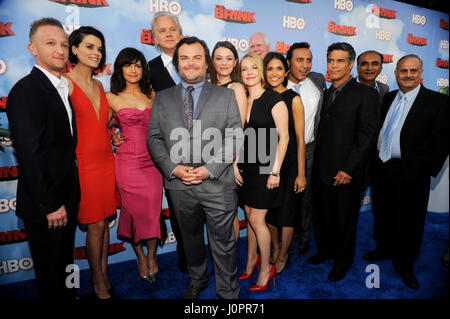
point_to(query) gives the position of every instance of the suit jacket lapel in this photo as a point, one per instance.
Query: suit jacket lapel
(53, 93)
(179, 103)
(413, 112)
(206, 91)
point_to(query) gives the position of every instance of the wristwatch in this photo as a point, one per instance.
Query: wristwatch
(275, 174)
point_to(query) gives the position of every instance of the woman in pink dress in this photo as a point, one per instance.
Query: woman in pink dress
(138, 179)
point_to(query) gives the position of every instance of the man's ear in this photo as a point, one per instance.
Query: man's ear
(32, 48)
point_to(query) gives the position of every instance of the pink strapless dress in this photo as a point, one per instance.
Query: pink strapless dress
(138, 179)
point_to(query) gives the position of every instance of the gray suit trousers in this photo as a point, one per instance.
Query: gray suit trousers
(193, 209)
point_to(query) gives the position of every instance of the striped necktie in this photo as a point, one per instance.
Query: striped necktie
(386, 140)
(188, 103)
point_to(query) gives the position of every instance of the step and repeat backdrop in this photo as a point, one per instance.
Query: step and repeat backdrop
(392, 28)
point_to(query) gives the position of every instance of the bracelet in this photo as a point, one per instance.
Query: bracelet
(275, 174)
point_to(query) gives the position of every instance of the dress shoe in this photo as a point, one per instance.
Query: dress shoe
(303, 249)
(244, 275)
(410, 280)
(193, 292)
(336, 275)
(376, 255)
(316, 259)
(264, 287)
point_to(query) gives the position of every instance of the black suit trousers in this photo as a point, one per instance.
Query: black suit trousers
(52, 250)
(400, 202)
(335, 218)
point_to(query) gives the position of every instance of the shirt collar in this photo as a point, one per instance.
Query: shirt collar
(376, 87)
(53, 79)
(196, 86)
(411, 94)
(166, 59)
(340, 87)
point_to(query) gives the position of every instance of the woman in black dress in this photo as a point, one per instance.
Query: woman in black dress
(293, 170)
(267, 115)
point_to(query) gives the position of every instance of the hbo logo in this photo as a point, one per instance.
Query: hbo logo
(418, 19)
(343, 5)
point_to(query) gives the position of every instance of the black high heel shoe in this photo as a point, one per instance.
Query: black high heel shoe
(286, 263)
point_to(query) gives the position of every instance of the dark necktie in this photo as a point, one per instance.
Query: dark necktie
(188, 106)
(333, 93)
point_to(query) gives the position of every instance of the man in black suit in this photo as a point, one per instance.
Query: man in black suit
(345, 136)
(369, 66)
(44, 136)
(166, 30)
(412, 146)
(310, 86)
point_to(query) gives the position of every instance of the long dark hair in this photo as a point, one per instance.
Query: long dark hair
(77, 36)
(130, 56)
(235, 73)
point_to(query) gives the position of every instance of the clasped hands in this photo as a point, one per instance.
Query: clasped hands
(190, 175)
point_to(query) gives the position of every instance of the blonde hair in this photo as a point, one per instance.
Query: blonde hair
(258, 62)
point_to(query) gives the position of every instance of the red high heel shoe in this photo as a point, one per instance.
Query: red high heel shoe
(245, 276)
(263, 288)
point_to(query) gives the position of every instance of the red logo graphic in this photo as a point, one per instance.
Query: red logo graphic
(3, 100)
(243, 224)
(282, 47)
(84, 3)
(236, 16)
(300, 1)
(146, 37)
(80, 252)
(443, 24)
(341, 29)
(5, 30)
(8, 173)
(388, 58)
(416, 40)
(165, 212)
(443, 64)
(12, 237)
(384, 13)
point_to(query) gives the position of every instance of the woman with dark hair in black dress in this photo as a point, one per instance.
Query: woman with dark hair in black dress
(293, 170)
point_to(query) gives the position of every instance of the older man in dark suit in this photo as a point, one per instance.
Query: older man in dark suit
(346, 133)
(167, 32)
(199, 179)
(43, 131)
(412, 146)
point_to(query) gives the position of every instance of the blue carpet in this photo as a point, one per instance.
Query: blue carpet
(299, 281)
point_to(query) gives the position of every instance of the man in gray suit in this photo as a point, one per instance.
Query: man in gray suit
(310, 86)
(369, 66)
(198, 170)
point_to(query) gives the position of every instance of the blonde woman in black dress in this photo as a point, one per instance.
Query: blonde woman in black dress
(267, 113)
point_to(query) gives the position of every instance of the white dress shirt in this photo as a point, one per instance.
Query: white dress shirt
(168, 64)
(62, 86)
(310, 95)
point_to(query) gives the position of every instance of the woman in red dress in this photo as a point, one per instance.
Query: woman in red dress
(94, 152)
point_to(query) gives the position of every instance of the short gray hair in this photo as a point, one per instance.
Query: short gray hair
(410, 56)
(161, 14)
(265, 38)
